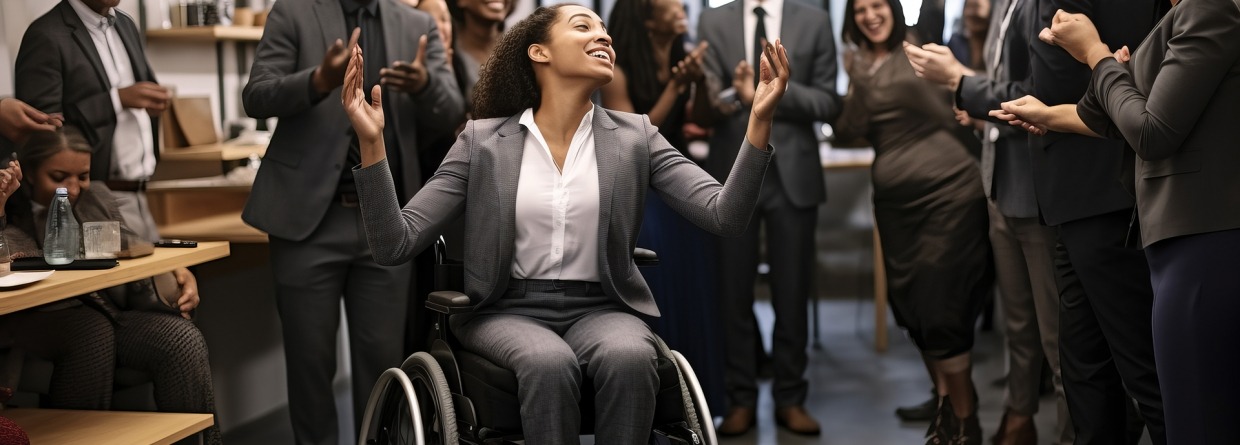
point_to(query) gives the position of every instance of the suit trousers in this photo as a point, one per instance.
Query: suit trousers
(790, 252)
(1024, 267)
(311, 278)
(1196, 305)
(1106, 344)
(546, 331)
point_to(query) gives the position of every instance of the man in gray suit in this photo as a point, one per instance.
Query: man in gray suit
(1024, 248)
(304, 196)
(788, 206)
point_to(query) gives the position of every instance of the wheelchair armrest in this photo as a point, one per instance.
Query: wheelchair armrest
(645, 257)
(448, 302)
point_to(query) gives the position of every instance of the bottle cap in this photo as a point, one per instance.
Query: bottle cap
(62, 191)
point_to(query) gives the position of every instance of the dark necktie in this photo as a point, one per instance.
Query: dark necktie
(759, 36)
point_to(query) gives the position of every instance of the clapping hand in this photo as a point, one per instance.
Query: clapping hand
(330, 73)
(367, 118)
(1076, 34)
(742, 82)
(935, 63)
(409, 77)
(689, 70)
(10, 181)
(772, 82)
(1027, 112)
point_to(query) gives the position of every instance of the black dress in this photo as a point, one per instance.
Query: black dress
(928, 204)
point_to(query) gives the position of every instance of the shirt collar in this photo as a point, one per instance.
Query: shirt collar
(527, 119)
(773, 8)
(91, 18)
(352, 6)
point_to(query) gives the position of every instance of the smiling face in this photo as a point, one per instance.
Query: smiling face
(667, 17)
(67, 168)
(487, 10)
(578, 47)
(438, 9)
(874, 20)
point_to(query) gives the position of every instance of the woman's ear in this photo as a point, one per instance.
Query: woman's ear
(538, 53)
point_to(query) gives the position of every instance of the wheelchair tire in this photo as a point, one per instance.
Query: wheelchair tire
(388, 419)
(706, 422)
(435, 399)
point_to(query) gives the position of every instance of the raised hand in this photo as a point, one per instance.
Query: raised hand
(1027, 112)
(146, 95)
(367, 118)
(330, 73)
(408, 77)
(1076, 34)
(773, 81)
(18, 119)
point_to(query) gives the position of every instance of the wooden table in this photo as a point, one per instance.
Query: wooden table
(65, 427)
(70, 283)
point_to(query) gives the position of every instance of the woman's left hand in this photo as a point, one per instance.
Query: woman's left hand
(1076, 34)
(189, 291)
(1027, 112)
(773, 81)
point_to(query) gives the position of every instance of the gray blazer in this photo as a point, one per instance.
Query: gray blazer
(300, 171)
(811, 97)
(479, 178)
(58, 70)
(1176, 104)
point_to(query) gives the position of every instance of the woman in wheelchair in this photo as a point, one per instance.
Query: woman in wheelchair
(552, 189)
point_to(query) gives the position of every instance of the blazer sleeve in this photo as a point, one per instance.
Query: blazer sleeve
(276, 87)
(39, 81)
(439, 107)
(1200, 54)
(395, 235)
(979, 94)
(722, 209)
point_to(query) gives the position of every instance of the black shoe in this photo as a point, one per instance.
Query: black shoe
(947, 429)
(921, 412)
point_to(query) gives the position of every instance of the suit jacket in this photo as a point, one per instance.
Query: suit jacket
(59, 70)
(479, 178)
(1176, 104)
(1006, 164)
(1079, 176)
(298, 179)
(810, 97)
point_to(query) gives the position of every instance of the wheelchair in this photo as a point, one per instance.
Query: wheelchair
(448, 395)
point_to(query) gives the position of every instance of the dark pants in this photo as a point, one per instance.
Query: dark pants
(1196, 333)
(311, 277)
(1106, 345)
(790, 253)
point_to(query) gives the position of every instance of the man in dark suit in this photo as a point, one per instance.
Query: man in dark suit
(1106, 345)
(788, 206)
(304, 196)
(1023, 247)
(85, 59)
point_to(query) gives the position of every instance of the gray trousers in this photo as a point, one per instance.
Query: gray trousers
(1024, 251)
(545, 331)
(311, 277)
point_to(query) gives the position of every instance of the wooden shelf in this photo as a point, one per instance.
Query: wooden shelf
(207, 34)
(212, 152)
(106, 427)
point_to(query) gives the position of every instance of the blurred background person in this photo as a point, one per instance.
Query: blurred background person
(478, 25)
(656, 76)
(928, 204)
(788, 206)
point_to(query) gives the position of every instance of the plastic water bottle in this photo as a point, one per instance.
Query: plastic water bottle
(62, 242)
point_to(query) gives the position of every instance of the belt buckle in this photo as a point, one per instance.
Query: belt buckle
(347, 200)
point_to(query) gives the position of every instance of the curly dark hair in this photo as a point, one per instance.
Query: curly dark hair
(852, 33)
(506, 83)
(631, 41)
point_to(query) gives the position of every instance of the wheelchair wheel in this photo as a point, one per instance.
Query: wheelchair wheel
(431, 389)
(705, 421)
(388, 419)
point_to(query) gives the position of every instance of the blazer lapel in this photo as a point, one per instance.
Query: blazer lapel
(607, 152)
(734, 42)
(509, 150)
(82, 37)
(331, 22)
(133, 46)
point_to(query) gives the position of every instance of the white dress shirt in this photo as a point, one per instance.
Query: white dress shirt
(133, 154)
(774, 19)
(557, 211)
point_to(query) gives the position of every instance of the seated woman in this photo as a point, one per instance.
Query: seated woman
(87, 338)
(552, 189)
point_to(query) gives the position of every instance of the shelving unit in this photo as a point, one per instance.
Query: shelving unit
(212, 152)
(238, 35)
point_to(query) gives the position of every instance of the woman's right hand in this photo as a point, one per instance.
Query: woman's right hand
(10, 181)
(773, 81)
(367, 118)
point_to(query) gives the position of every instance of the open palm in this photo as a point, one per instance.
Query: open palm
(367, 118)
(773, 80)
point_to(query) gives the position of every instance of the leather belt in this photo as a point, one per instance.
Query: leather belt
(347, 199)
(121, 185)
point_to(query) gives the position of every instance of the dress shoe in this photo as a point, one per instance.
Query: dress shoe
(1007, 434)
(947, 429)
(797, 420)
(920, 412)
(738, 421)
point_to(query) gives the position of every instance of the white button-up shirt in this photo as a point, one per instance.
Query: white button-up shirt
(557, 210)
(133, 154)
(773, 22)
